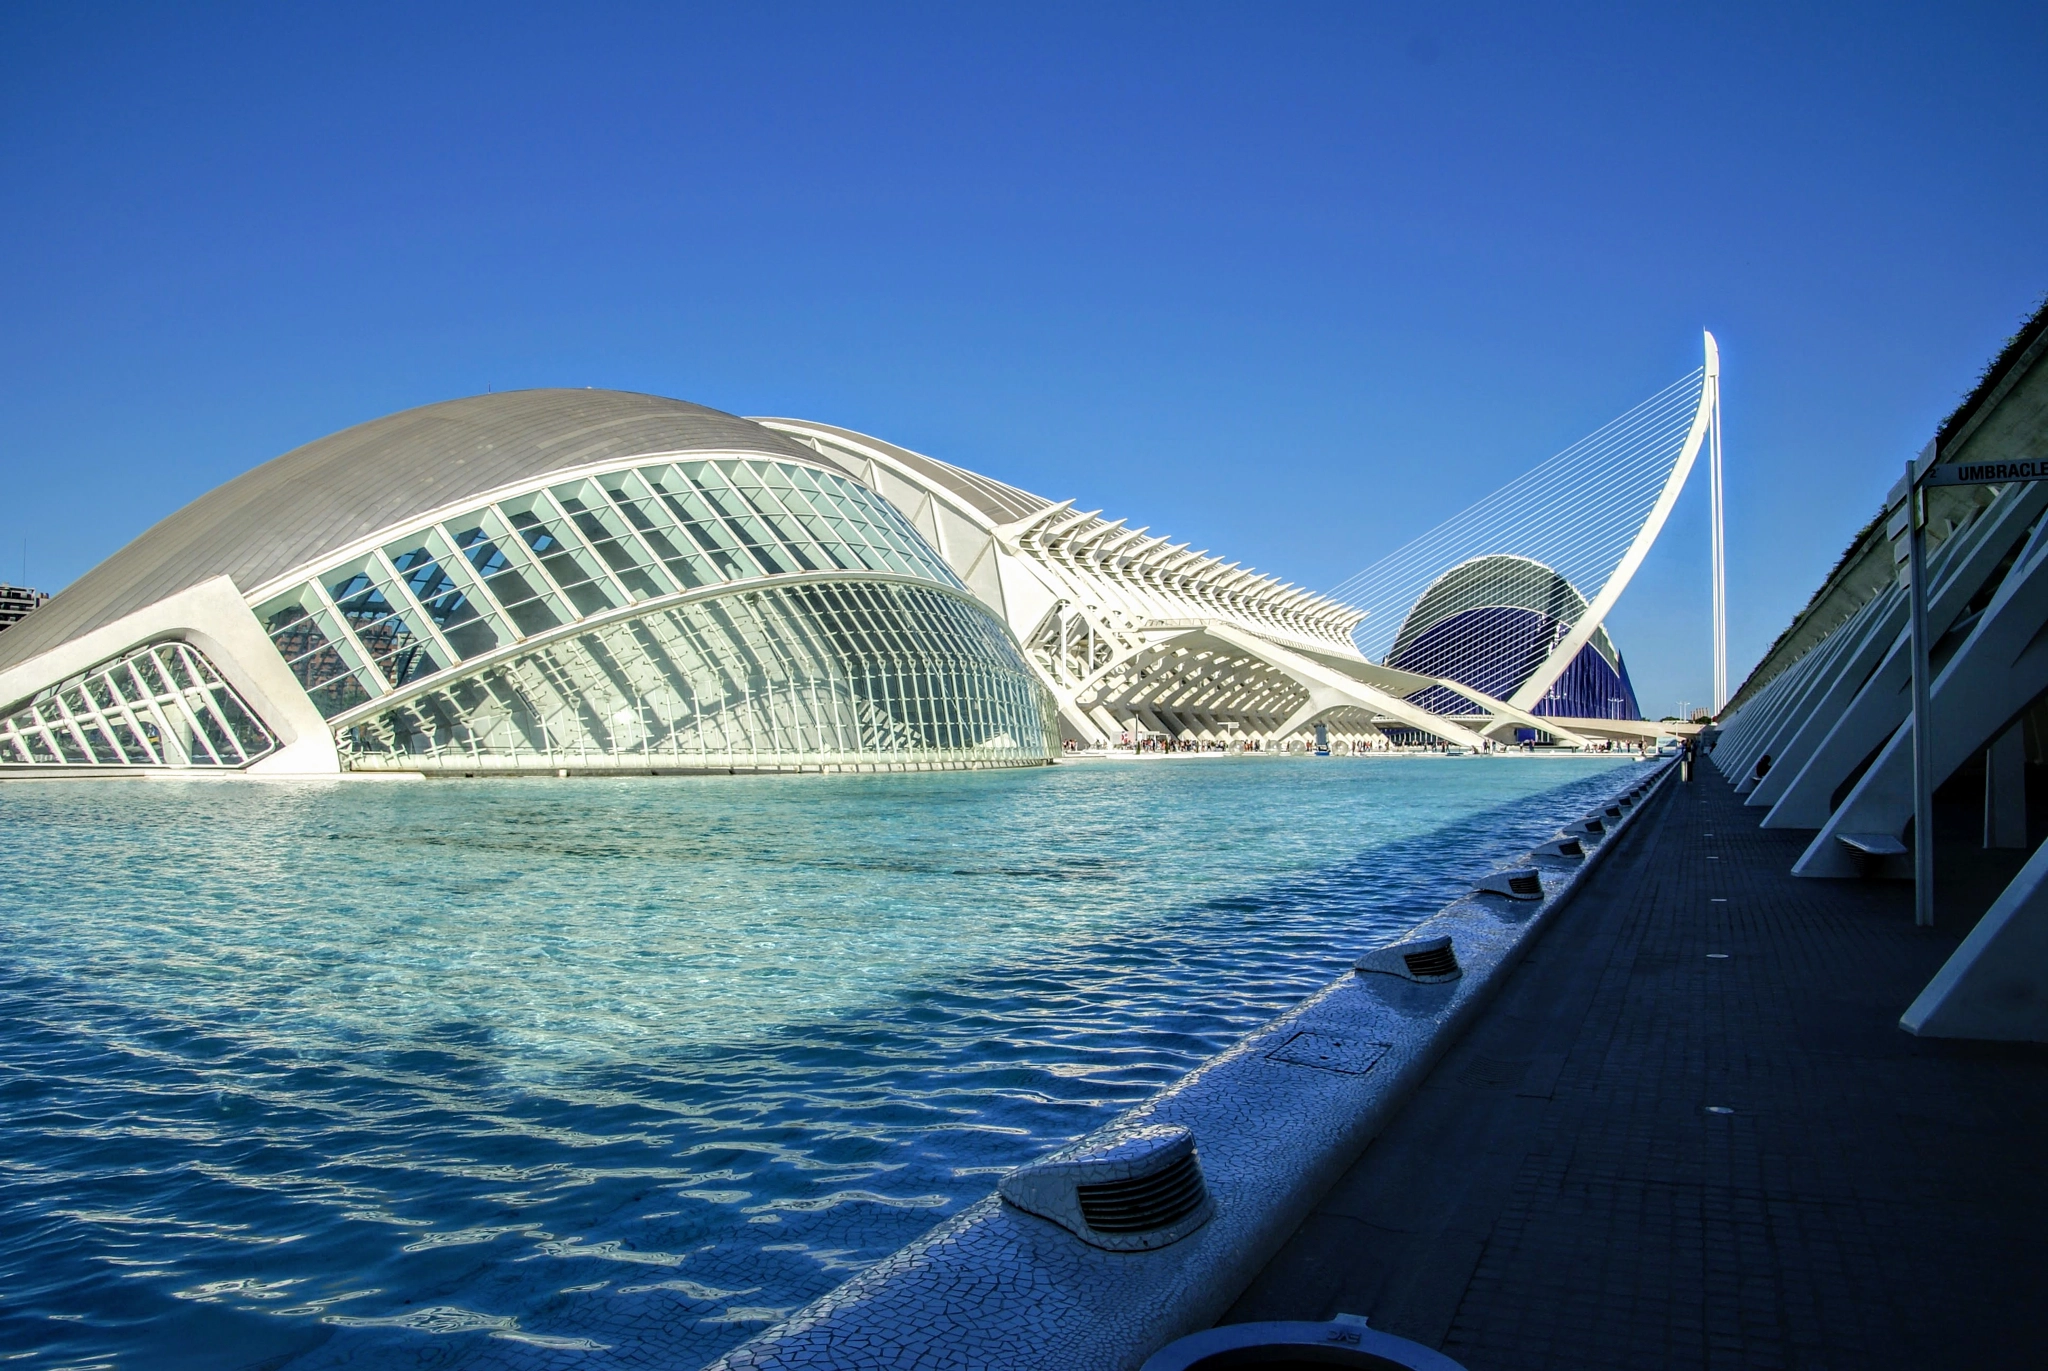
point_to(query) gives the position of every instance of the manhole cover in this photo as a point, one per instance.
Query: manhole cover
(1328, 1052)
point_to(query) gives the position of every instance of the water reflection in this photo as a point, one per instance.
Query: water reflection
(495, 1073)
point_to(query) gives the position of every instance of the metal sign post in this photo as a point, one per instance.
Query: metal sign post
(1923, 751)
(1920, 474)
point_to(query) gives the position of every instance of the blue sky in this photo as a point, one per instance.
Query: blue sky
(1289, 282)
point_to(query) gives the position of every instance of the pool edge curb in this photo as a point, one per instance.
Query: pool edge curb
(993, 1285)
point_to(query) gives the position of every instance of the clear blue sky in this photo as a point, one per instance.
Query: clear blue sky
(1290, 282)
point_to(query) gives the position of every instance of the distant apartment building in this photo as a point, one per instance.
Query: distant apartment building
(16, 602)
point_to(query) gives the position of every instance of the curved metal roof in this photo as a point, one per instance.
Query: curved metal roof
(317, 499)
(1003, 504)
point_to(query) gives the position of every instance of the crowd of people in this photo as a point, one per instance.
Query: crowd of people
(1143, 743)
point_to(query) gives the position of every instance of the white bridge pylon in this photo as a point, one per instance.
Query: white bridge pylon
(1590, 513)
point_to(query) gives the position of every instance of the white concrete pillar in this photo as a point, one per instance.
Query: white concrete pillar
(1995, 986)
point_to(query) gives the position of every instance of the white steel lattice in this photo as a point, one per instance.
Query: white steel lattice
(163, 705)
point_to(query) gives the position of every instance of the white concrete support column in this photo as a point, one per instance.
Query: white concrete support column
(1742, 725)
(1878, 626)
(1961, 564)
(1995, 986)
(1793, 687)
(1999, 669)
(1766, 713)
(1813, 678)
(1740, 740)
(1880, 704)
(1782, 716)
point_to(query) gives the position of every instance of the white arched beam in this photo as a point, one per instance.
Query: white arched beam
(1406, 683)
(1329, 688)
(1568, 648)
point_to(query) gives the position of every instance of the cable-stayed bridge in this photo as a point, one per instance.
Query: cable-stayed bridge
(1487, 626)
(1510, 595)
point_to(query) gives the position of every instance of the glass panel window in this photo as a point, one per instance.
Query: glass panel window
(138, 753)
(829, 540)
(788, 536)
(40, 748)
(774, 677)
(88, 721)
(68, 746)
(608, 534)
(398, 650)
(127, 683)
(703, 525)
(737, 515)
(655, 524)
(501, 559)
(438, 580)
(175, 667)
(561, 550)
(360, 597)
(315, 648)
(152, 678)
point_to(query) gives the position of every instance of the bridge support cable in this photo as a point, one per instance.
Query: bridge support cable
(1589, 513)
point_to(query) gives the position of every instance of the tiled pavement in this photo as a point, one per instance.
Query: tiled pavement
(1691, 1134)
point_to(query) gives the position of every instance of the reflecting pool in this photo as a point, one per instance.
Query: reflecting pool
(597, 1072)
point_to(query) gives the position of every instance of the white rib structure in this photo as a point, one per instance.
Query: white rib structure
(1590, 513)
(1136, 636)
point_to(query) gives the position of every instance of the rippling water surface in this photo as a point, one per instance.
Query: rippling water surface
(593, 1073)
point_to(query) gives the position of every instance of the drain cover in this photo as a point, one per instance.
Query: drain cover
(1328, 1052)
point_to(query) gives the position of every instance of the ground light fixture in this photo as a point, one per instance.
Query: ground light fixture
(1345, 1341)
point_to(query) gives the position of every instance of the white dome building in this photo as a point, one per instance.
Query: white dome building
(551, 581)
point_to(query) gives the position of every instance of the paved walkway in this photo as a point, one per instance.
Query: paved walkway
(1691, 1134)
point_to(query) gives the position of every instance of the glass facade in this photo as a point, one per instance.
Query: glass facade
(527, 565)
(844, 674)
(509, 637)
(162, 705)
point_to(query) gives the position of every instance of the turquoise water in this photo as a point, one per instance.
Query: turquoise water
(595, 1072)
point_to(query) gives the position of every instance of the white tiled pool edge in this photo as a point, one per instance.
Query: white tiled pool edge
(993, 1286)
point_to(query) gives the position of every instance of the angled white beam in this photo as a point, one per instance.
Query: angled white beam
(1993, 675)
(1065, 527)
(1877, 702)
(1994, 986)
(1329, 689)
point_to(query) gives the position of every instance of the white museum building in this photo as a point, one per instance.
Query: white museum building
(589, 581)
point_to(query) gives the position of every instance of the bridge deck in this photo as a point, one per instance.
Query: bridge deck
(1563, 1192)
